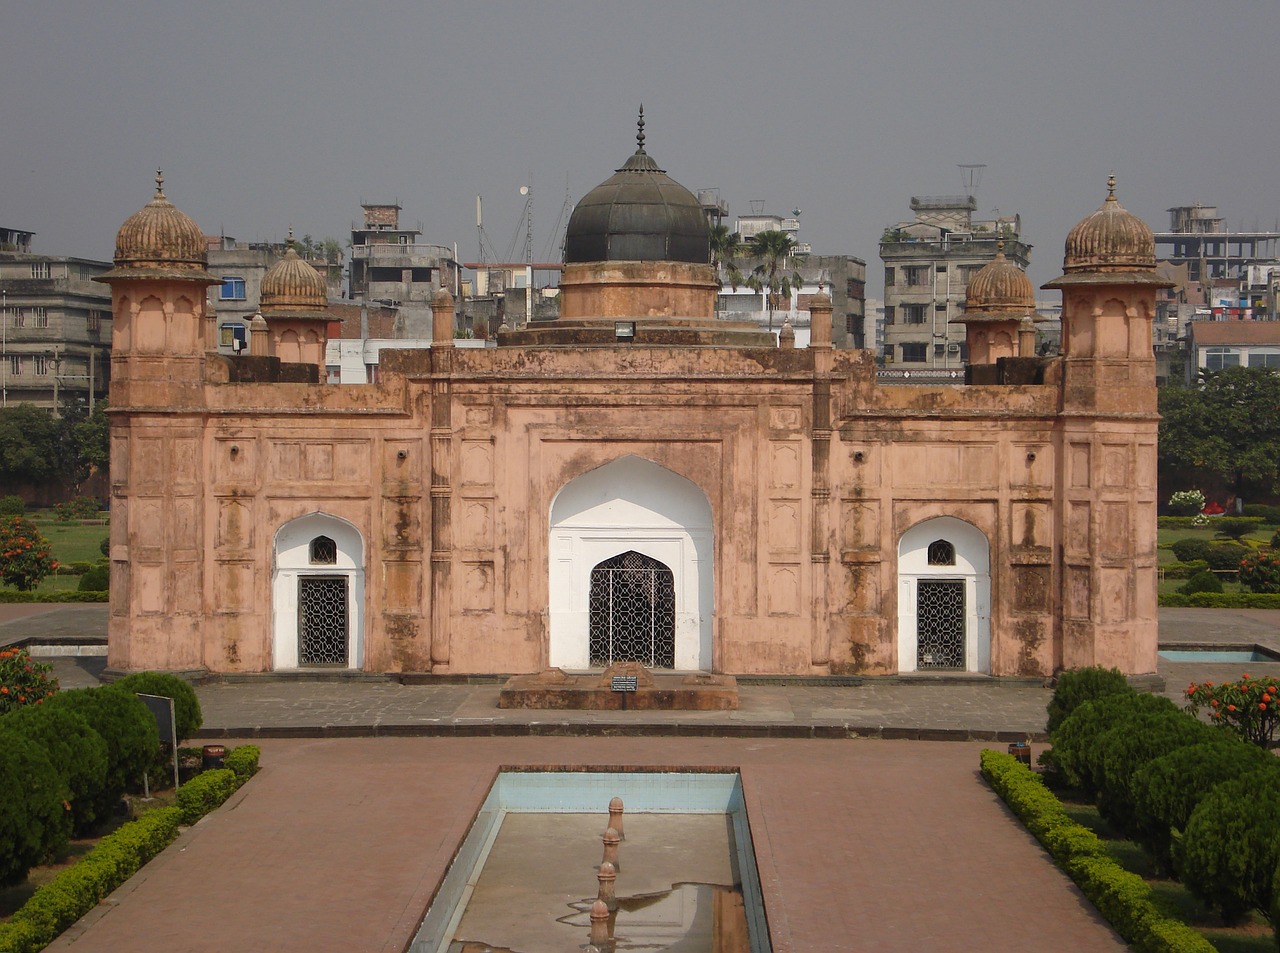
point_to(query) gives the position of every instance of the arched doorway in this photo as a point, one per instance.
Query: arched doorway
(318, 594)
(620, 522)
(944, 597)
(632, 612)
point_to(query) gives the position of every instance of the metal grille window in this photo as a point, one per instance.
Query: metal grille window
(942, 553)
(940, 625)
(322, 620)
(39, 269)
(41, 316)
(632, 612)
(324, 551)
(41, 364)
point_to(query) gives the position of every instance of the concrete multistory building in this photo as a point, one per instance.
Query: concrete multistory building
(55, 327)
(928, 263)
(1229, 274)
(390, 265)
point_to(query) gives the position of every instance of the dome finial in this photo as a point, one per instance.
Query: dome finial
(640, 131)
(1000, 245)
(159, 182)
(1111, 187)
(290, 241)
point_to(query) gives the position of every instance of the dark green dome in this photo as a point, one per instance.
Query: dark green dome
(638, 214)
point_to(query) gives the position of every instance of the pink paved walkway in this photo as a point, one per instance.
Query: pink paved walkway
(338, 845)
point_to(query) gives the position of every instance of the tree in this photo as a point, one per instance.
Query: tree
(724, 249)
(35, 446)
(25, 556)
(773, 248)
(91, 439)
(1227, 425)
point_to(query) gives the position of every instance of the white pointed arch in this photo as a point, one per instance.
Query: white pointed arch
(969, 564)
(293, 560)
(630, 504)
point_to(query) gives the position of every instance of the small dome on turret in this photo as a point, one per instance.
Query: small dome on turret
(638, 214)
(1000, 286)
(1111, 239)
(293, 285)
(161, 237)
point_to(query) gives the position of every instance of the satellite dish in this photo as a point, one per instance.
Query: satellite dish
(524, 190)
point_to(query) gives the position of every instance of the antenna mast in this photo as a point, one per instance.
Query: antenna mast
(971, 176)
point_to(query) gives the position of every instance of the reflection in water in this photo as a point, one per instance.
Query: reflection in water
(690, 918)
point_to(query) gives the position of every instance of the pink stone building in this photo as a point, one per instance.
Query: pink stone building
(636, 480)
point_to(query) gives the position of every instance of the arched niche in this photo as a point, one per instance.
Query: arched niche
(944, 597)
(318, 587)
(630, 505)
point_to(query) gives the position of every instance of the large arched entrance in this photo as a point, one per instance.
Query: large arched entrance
(318, 594)
(944, 597)
(630, 571)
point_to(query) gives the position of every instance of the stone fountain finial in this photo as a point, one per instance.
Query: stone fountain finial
(640, 131)
(611, 841)
(615, 817)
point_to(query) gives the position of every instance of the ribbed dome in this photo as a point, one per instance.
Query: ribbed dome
(293, 285)
(160, 236)
(1000, 286)
(1111, 239)
(638, 214)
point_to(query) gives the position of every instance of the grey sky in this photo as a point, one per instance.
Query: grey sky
(264, 114)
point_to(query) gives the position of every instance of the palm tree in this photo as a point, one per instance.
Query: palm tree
(773, 248)
(724, 247)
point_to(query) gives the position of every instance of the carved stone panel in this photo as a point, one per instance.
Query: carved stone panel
(1079, 463)
(784, 465)
(477, 587)
(782, 596)
(1078, 514)
(860, 525)
(1031, 588)
(784, 526)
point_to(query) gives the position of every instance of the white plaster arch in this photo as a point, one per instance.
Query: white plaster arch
(972, 566)
(291, 559)
(630, 504)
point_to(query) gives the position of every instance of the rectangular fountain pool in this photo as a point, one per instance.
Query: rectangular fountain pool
(525, 876)
(1232, 655)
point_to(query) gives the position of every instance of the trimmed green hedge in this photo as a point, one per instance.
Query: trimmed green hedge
(243, 761)
(1221, 600)
(118, 856)
(1122, 897)
(187, 717)
(204, 792)
(13, 595)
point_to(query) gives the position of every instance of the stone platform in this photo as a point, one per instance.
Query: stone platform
(624, 686)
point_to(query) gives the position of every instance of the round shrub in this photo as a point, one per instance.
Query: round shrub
(24, 681)
(96, 579)
(1167, 789)
(1075, 687)
(1191, 549)
(1260, 572)
(127, 727)
(33, 822)
(1226, 556)
(1229, 852)
(104, 547)
(1236, 527)
(1133, 743)
(13, 506)
(1203, 581)
(187, 716)
(1075, 741)
(77, 753)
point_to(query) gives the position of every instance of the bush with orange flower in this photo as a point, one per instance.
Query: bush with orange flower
(23, 681)
(1248, 706)
(25, 556)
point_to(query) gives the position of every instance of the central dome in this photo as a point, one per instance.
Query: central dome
(638, 214)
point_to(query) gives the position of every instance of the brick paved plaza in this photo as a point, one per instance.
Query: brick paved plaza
(863, 844)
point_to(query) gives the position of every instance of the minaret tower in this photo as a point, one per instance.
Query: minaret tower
(157, 378)
(1106, 520)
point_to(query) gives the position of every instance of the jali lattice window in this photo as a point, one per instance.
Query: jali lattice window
(942, 553)
(324, 551)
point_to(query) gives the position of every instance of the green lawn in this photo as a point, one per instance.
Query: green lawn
(71, 543)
